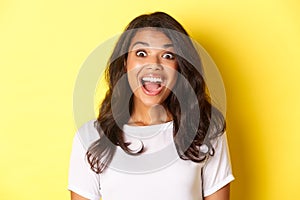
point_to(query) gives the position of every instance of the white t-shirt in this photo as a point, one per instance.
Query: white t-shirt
(158, 173)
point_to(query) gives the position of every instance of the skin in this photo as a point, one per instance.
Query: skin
(75, 196)
(151, 52)
(221, 194)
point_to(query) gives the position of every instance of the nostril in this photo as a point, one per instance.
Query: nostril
(159, 67)
(155, 67)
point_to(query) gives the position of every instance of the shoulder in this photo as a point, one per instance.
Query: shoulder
(219, 142)
(82, 180)
(87, 134)
(217, 171)
(221, 151)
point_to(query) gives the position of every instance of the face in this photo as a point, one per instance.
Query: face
(151, 67)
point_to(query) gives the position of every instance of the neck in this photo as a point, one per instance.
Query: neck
(143, 115)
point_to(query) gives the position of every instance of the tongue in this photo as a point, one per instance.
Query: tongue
(151, 87)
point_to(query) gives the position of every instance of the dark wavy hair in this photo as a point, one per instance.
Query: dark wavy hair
(195, 120)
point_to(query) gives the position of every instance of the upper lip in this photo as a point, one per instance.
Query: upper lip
(156, 78)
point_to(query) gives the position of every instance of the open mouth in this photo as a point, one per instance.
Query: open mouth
(152, 85)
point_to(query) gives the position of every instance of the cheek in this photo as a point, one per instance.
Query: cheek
(172, 65)
(175, 66)
(131, 62)
(172, 77)
(172, 69)
(132, 78)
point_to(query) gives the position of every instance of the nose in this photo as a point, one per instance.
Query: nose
(154, 63)
(154, 67)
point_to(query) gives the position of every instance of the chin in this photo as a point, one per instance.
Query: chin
(150, 101)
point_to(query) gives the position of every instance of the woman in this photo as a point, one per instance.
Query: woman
(157, 135)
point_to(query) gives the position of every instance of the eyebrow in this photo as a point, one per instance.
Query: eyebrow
(146, 44)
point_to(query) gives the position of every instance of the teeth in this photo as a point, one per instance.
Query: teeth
(152, 79)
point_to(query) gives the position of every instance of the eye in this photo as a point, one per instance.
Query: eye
(169, 56)
(141, 53)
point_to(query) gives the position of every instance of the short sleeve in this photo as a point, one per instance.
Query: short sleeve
(217, 170)
(82, 180)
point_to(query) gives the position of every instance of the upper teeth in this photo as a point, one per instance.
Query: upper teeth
(152, 79)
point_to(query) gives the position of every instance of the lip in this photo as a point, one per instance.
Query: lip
(152, 75)
(158, 79)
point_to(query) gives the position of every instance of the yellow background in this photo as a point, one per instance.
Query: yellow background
(255, 44)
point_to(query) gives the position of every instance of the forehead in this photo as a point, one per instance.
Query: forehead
(150, 38)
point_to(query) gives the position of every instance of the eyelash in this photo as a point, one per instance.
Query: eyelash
(169, 54)
(140, 51)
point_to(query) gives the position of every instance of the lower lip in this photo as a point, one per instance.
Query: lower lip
(152, 93)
